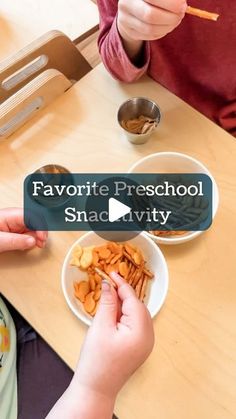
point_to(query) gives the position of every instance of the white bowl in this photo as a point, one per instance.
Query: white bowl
(158, 286)
(171, 162)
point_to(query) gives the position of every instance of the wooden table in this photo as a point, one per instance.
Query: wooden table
(191, 372)
(23, 21)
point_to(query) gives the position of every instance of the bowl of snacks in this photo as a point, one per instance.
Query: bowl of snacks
(91, 258)
(139, 117)
(172, 162)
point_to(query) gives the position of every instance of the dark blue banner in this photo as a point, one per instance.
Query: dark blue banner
(118, 202)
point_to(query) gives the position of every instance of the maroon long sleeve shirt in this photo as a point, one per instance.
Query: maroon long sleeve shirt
(197, 61)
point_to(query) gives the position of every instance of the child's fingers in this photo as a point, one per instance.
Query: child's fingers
(42, 235)
(152, 15)
(108, 307)
(11, 219)
(174, 6)
(117, 278)
(140, 29)
(124, 289)
(13, 241)
(134, 313)
(41, 238)
(160, 17)
(40, 242)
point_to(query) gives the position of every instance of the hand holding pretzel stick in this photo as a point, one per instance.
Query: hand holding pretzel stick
(118, 341)
(148, 20)
(139, 20)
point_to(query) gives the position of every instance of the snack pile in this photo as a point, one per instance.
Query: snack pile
(168, 233)
(187, 212)
(124, 259)
(140, 125)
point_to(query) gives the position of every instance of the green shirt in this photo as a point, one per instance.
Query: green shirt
(8, 381)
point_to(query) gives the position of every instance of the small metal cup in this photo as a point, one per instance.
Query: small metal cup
(47, 171)
(52, 168)
(132, 109)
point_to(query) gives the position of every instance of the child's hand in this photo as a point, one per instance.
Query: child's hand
(140, 20)
(118, 342)
(13, 233)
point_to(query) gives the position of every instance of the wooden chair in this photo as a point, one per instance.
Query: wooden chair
(35, 76)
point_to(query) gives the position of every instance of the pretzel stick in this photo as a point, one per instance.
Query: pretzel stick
(105, 276)
(143, 290)
(139, 287)
(202, 13)
(138, 275)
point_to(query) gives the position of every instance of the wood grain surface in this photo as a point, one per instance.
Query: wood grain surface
(191, 373)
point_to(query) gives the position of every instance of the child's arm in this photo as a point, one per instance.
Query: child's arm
(127, 26)
(125, 60)
(79, 402)
(118, 342)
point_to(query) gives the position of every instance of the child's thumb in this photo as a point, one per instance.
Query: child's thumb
(108, 306)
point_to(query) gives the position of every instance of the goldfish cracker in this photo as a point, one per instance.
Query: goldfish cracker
(89, 303)
(83, 289)
(137, 258)
(75, 261)
(116, 258)
(94, 310)
(123, 269)
(114, 247)
(129, 249)
(92, 283)
(78, 251)
(95, 257)
(97, 294)
(97, 278)
(86, 258)
(103, 252)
